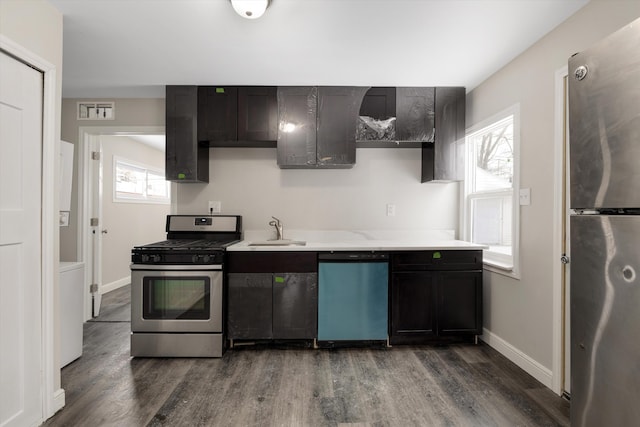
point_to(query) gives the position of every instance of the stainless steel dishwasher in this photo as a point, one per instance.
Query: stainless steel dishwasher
(353, 296)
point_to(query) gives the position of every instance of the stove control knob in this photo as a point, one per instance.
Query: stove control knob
(194, 259)
(144, 258)
(206, 259)
(156, 258)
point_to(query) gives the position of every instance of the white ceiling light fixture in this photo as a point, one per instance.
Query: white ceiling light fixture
(250, 9)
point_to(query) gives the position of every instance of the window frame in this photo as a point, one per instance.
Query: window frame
(144, 199)
(495, 261)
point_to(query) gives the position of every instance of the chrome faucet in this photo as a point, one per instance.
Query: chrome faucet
(278, 225)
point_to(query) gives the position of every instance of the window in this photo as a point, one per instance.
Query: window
(491, 211)
(136, 183)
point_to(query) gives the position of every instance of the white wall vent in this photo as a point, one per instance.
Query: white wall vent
(96, 110)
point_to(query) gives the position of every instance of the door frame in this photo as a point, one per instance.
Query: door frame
(86, 135)
(559, 329)
(53, 398)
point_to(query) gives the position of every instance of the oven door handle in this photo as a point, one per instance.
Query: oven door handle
(174, 267)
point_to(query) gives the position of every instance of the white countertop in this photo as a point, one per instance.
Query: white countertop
(376, 240)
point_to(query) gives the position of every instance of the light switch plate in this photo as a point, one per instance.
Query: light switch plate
(525, 196)
(391, 210)
(64, 218)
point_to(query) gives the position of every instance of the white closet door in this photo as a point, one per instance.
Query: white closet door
(21, 92)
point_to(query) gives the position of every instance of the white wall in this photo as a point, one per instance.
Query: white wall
(128, 224)
(519, 312)
(248, 182)
(37, 27)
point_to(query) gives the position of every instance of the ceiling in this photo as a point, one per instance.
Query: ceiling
(133, 48)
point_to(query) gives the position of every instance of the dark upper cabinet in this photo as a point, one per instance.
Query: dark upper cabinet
(186, 159)
(415, 113)
(217, 113)
(402, 114)
(442, 159)
(230, 116)
(379, 103)
(257, 113)
(317, 126)
(337, 120)
(297, 115)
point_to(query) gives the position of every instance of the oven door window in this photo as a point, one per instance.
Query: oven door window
(176, 298)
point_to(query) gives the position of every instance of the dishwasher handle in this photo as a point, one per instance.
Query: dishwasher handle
(353, 256)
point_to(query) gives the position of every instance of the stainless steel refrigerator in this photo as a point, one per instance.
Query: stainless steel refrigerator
(604, 138)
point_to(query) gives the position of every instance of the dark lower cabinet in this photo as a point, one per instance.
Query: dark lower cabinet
(272, 306)
(413, 310)
(272, 295)
(250, 306)
(459, 307)
(434, 296)
(295, 306)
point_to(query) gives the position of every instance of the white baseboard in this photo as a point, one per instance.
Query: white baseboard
(530, 366)
(58, 400)
(115, 285)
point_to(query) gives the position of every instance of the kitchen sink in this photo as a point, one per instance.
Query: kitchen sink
(281, 242)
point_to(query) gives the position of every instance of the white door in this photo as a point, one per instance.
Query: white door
(21, 95)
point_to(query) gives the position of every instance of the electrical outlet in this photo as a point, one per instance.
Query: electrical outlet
(215, 207)
(391, 210)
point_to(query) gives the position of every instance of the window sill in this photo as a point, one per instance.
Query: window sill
(504, 269)
(143, 201)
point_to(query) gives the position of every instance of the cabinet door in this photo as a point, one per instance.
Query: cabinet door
(297, 107)
(460, 302)
(295, 306)
(217, 113)
(450, 124)
(413, 309)
(250, 306)
(186, 160)
(415, 109)
(338, 109)
(257, 113)
(379, 103)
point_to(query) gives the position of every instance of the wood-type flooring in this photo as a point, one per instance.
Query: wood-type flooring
(451, 385)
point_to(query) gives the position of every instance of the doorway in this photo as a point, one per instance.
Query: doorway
(110, 224)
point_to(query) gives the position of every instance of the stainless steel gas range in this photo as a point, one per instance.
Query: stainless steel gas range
(177, 288)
